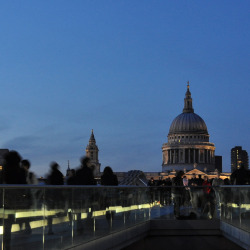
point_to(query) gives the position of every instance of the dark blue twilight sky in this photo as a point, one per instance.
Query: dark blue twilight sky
(120, 68)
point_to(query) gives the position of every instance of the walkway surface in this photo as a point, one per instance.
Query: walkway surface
(184, 243)
(184, 235)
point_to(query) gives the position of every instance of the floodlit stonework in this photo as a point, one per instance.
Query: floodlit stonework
(188, 145)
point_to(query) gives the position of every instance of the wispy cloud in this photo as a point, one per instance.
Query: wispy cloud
(22, 142)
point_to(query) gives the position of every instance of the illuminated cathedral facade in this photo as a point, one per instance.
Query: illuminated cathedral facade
(188, 145)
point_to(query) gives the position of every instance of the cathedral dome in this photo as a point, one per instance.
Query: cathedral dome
(188, 145)
(188, 123)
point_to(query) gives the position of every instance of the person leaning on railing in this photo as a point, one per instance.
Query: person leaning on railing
(208, 199)
(54, 198)
(85, 198)
(217, 181)
(109, 179)
(196, 193)
(240, 176)
(177, 192)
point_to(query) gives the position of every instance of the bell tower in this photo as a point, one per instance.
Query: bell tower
(92, 152)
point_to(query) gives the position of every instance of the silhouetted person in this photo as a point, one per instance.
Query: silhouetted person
(55, 177)
(239, 176)
(12, 174)
(151, 182)
(196, 192)
(186, 191)
(177, 191)
(84, 175)
(109, 178)
(208, 201)
(193, 181)
(200, 180)
(217, 181)
(54, 197)
(31, 180)
(30, 176)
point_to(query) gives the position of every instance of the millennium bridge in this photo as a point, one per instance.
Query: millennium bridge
(121, 217)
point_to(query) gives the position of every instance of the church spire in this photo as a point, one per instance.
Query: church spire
(92, 137)
(92, 152)
(188, 106)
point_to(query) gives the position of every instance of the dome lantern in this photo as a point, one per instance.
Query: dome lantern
(188, 106)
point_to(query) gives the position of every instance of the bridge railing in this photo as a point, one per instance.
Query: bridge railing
(59, 217)
(235, 205)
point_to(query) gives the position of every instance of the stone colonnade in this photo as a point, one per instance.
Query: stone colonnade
(190, 155)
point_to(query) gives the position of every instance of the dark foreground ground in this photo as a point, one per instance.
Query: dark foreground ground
(184, 243)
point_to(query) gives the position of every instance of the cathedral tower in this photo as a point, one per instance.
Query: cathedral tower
(92, 152)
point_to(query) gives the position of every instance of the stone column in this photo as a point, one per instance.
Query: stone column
(174, 156)
(194, 155)
(189, 155)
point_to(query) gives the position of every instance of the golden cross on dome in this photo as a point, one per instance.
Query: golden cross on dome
(188, 84)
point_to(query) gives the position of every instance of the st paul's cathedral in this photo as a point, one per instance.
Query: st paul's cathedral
(187, 149)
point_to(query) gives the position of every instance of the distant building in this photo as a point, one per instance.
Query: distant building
(218, 163)
(2, 153)
(188, 145)
(238, 157)
(92, 152)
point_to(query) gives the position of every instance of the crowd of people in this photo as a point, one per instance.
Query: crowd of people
(199, 194)
(17, 171)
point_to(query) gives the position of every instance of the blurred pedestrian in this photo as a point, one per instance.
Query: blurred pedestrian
(14, 198)
(54, 198)
(109, 178)
(84, 175)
